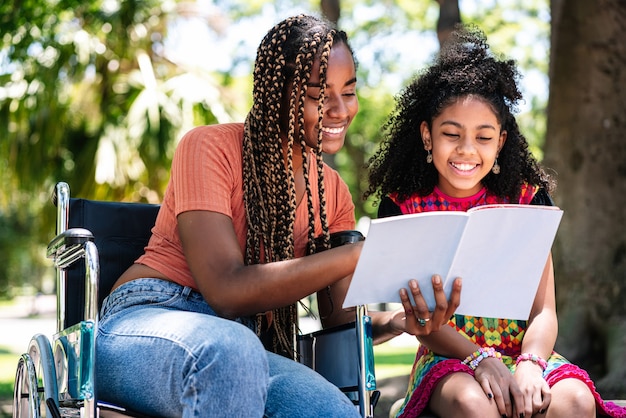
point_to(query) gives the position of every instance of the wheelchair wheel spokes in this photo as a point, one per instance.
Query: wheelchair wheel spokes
(26, 397)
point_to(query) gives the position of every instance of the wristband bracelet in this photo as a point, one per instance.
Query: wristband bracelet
(479, 355)
(534, 358)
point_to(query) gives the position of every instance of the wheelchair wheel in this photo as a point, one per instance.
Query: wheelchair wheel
(35, 391)
(25, 398)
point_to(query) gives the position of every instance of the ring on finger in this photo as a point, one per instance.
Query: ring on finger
(422, 321)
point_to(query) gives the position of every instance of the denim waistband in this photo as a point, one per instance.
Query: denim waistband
(160, 286)
(153, 292)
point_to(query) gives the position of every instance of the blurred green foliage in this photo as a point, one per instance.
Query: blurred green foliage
(90, 95)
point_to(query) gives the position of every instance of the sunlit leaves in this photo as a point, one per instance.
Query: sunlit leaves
(88, 97)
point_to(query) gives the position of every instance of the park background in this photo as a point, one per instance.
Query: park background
(97, 94)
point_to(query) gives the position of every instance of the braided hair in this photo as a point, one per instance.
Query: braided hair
(282, 69)
(463, 67)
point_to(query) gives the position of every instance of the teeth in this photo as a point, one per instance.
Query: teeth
(464, 167)
(333, 130)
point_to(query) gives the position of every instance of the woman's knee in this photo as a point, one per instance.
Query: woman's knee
(240, 352)
(226, 374)
(296, 390)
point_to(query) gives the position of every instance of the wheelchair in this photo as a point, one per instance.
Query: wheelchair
(95, 242)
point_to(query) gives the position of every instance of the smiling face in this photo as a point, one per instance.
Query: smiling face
(340, 101)
(465, 140)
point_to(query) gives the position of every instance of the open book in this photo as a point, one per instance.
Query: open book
(499, 251)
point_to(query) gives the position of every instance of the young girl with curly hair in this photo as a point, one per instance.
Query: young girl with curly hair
(451, 144)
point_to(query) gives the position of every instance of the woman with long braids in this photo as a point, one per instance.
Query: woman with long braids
(234, 249)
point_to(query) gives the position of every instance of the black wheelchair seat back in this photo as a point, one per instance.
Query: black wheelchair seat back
(121, 231)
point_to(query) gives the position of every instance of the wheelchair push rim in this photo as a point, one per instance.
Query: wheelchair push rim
(35, 381)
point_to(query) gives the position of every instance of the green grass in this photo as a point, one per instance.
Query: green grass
(8, 364)
(393, 360)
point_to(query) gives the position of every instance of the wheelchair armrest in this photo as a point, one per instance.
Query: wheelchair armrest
(68, 246)
(342, 354)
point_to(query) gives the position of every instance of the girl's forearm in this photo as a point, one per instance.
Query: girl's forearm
(540, 336)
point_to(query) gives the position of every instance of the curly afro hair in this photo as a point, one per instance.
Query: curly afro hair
(464, 66)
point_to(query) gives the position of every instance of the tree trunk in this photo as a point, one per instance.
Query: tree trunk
(449, 16)
(331, 9)
(586, 148)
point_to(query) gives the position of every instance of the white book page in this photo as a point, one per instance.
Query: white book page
(500, 257)
(401, 248)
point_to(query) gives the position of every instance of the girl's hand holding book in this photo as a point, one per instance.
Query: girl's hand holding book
(417, 319)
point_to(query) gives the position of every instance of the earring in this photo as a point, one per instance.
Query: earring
(429, 157)
(496, 167)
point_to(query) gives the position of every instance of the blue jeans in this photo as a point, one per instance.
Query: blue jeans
(161, 350)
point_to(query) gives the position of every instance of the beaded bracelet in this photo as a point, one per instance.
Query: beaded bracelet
(534, 358)
(479, 355)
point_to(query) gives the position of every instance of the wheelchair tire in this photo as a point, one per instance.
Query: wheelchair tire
(35, 391)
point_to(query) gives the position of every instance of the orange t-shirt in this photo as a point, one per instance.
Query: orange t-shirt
(207, 175)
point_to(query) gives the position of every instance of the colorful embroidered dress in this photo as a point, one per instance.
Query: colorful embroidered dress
(502, 334)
